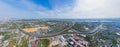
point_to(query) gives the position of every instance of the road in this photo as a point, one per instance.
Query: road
(96, 30)
(47, 35)
(64, 31)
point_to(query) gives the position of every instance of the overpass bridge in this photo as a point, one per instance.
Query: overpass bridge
(64, 31)
(96, 30)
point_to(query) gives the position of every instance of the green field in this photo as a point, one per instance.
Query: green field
(43, 43)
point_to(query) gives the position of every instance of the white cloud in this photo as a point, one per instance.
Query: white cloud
(97, 8)
(81, 9)
(8, 11)
(89, 9)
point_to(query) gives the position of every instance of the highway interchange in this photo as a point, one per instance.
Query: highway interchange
(64, 31)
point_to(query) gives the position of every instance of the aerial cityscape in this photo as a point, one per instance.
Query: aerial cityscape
(59, 23)
(59, 33)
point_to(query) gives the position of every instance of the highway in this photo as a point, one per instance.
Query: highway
(47, 35)
(96, 30)
(64, 31)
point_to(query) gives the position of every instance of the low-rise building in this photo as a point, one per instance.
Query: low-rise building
(1, 38)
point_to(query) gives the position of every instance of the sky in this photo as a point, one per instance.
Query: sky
(71, 9)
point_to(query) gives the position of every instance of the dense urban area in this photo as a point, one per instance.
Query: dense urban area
(58, 33)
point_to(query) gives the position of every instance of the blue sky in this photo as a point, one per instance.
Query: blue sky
(59, 9)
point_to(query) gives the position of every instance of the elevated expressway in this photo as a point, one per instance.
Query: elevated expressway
(96, 30)
(64, 31)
